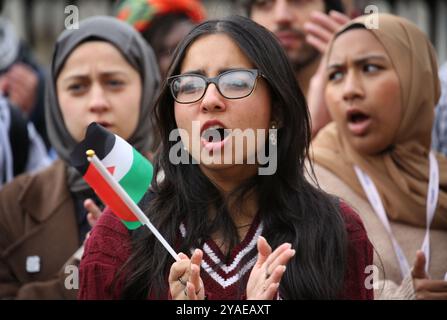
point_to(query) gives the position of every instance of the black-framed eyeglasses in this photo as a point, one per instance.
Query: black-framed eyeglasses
(232, 84)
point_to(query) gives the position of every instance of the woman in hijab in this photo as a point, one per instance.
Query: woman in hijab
(382, 87)
(104, 72)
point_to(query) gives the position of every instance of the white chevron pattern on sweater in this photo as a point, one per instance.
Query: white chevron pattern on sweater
(224, 283)
(239, 256)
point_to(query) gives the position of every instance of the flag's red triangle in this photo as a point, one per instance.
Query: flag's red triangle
(111, 170)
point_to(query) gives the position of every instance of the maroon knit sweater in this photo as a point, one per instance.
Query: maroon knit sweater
(109, 247)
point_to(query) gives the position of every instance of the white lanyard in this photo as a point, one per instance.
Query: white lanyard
(6, 161)
(432, 200)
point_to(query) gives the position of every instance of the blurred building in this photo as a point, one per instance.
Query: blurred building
(40, 21)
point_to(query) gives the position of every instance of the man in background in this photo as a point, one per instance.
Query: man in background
(304, 28)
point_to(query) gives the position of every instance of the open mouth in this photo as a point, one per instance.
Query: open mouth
(215, 133)
(358, 122)
(357, 117)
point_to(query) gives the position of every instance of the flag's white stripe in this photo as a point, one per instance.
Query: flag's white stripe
(121, 157)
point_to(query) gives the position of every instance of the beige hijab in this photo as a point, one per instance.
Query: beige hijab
(401, 175)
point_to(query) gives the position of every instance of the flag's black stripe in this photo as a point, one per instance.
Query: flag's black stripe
(98, 139)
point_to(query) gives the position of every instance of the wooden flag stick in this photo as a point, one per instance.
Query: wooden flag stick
(128, 201)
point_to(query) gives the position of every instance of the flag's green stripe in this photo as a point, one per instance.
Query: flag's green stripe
(131, 225)
(137, 180)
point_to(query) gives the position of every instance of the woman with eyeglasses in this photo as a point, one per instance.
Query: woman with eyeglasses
(241, 232)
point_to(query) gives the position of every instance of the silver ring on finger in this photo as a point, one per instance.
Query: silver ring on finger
(198, 291)
(267, 273)
(183, 282)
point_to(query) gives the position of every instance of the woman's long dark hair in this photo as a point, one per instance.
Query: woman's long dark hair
(292, 210)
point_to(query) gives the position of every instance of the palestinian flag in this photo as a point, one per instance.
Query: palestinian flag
(127, 166)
